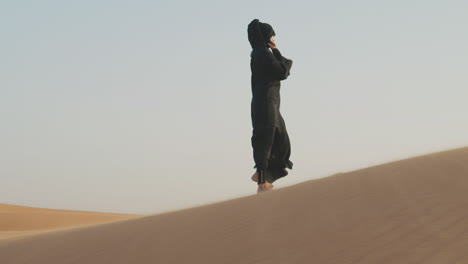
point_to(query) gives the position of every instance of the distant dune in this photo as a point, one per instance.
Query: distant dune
(21, 220)
(403, 212)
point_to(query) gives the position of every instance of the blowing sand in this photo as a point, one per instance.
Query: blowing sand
(408, 211)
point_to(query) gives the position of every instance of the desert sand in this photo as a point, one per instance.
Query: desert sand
(18, 220)
(408, 211)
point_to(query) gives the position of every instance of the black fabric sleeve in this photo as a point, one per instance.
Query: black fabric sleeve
(277, 54)
(278, 65)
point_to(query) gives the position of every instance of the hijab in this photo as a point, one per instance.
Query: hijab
(259, 33)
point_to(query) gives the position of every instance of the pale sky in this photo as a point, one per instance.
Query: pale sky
(144, 106)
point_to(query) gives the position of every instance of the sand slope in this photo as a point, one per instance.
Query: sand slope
(410, 211)
(20, 220)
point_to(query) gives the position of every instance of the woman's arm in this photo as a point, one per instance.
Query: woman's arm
(278, 65)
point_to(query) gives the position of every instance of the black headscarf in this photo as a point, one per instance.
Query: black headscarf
(259, 33)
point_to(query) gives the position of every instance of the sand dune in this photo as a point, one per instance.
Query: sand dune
(21, 220)
(408, 211)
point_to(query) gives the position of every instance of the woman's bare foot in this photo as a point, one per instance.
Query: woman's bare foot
(264, 187)
(255, 177)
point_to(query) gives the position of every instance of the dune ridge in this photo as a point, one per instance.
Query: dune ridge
(407, 211)
(18, 220)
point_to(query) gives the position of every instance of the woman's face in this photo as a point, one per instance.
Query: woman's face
(272, 39)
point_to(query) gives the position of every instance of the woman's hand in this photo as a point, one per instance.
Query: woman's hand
(272, 43)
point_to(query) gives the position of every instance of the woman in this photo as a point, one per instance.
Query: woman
(270, 140)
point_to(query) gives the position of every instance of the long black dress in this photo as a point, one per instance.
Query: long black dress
(270, 139)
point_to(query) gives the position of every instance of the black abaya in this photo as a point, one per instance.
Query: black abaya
(270, 139)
